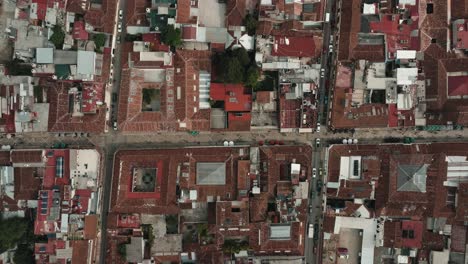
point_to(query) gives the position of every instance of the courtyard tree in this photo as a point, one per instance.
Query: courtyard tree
(58, 37)
(171, 36)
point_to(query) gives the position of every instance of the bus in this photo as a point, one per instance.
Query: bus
(311, 230)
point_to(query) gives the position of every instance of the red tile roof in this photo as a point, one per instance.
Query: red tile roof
(457, 85)
(461, 35)
(344, 115)
(188, 65)
(189, 32)
(234, 96)
(294, 46)
(61, 120)
(90, 226)
(235, 12)
(80, 251)
(77, 6)
(458, 239)
(26, 156)
(243, 179)
(239, 121)
(79, 31)
(459, 8)
(414, 237)
(27, 182)
(41, 8)
(183, 12)
(136, 13)
(263, 97)
(5, 158)
(103, 17)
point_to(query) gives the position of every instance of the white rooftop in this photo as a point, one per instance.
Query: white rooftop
(407, 76)
(86, 62)
(84, 167)
(368, 227)
(369, 9)
(44, 55)
(406, 54)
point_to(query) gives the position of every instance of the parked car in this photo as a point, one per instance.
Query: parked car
(120, 14)
(119, 27)
(115, 125)
(314, 172)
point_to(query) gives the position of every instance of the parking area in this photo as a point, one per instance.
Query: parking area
(350, 239)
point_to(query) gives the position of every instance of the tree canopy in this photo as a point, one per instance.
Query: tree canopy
(99, 40)
(171, 36)
(250, 23)
(237, 66)
(232, 246)
(58, 37)
(12, 231)
(24, 254)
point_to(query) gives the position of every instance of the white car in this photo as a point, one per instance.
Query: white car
(318, 127)
(119, 27)
(322, 73)
(314, 172)
(330, 48)
(120, 14)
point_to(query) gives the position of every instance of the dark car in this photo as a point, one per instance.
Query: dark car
(319, 186)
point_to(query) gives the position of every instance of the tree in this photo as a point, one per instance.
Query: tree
(241, 55)
(99, 40)
(250, 24)
(252, 76)
(23, 254)
(17, 67)
(234, 71)
(122, 249)
(58, 37)
(171, 36)
(234, 246)
(12, 231)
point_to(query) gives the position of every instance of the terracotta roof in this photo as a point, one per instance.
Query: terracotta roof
(27, 182)
(76, 6)
(188, 65)
(136, 13)
(243, 179)
(228, 215)
(459, 9)
(5, 158)
(263, 97)
(295, 46)
(239, 121)
(79, 31)
(235, 12)
(189, 32)
(90, 226)
(80, 251)
(390, 199)
(60, 118)
(458, 239)
(26, 156)
(183, 12)
(103, 17)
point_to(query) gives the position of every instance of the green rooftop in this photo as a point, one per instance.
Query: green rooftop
(62, 71)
